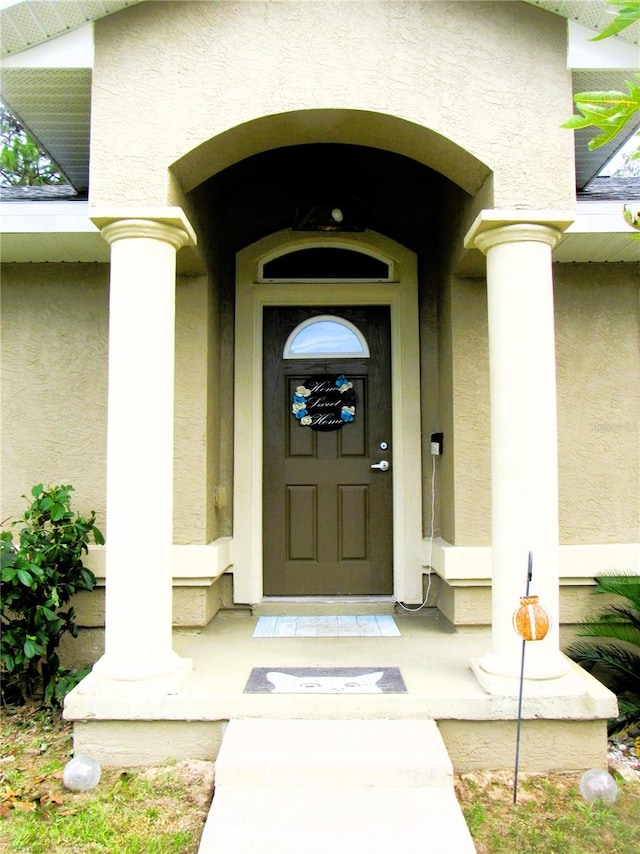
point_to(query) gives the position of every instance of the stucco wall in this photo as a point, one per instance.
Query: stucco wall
(598, 376)
(598, 370)
(173, 75)
(191, 488)
(471, 417)
(54, 390)
(54, 382)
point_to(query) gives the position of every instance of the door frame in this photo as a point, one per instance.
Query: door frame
(400, 293)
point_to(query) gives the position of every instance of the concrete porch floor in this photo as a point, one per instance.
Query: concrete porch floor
(564, 720)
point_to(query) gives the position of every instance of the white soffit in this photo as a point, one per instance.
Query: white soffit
(47, 58)
(37, 232)
(62, 231)
(583, 52)
(25, 23)
(594, 14)
(587, 248)
(48, 87)
(70, 50)
(598, 235)
(55, 104)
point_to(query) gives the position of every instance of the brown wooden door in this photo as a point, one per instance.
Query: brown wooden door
(327, 514)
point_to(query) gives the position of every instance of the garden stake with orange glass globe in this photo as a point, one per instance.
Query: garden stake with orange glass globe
(531, 621)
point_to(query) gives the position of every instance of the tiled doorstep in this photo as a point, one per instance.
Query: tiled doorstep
(370, 625)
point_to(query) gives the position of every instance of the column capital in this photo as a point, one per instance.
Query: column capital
(168, 224)
(496, 226)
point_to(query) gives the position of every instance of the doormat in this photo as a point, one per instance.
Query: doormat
(365, 626)
(325, 680)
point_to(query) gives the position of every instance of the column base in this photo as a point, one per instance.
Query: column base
(550, 665)
(503, 682)
(169, 667)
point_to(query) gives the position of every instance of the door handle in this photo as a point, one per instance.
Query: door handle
(383, 465)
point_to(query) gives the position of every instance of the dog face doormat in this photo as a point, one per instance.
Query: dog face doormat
(325, 680)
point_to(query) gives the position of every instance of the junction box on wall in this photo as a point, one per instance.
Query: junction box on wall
(436, 444)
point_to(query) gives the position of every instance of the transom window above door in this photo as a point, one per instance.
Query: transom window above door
(326, 263)
(326, 336)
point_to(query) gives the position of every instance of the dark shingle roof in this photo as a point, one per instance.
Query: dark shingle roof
(611, 189)
(45, 193)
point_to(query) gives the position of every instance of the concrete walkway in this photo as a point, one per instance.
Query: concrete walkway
(318, 786)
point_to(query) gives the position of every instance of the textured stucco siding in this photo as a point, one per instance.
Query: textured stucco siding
(190, 438)
(54, 390)
(470, 403)
(54, 382)
(598, 370)
(598, 385)
(174, 75)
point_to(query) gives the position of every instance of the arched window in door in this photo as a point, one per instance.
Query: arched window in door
(328, 337)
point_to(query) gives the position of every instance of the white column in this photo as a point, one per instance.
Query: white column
(139, 535)
(524, 448)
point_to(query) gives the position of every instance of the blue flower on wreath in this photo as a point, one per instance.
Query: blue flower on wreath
(299, 403)
(347, 413)
(343, 384)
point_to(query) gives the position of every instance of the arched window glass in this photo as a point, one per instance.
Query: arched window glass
(327, 262)
(326, 336)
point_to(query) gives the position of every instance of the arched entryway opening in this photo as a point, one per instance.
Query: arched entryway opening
(385, 193)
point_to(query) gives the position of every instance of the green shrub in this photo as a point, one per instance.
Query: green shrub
(612, 654)
(39, 576)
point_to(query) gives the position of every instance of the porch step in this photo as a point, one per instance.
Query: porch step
(320, 786)
(320, 606)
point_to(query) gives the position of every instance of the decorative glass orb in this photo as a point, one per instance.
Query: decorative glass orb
(81, 774)
(597, 784)
(531, 621)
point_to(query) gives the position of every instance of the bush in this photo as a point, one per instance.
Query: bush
(39, 576)
(613, 653)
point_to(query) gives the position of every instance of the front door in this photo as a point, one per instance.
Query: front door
(328, 452)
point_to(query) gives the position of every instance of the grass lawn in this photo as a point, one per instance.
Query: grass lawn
(133, 811)
(550, 816)
(162, 810)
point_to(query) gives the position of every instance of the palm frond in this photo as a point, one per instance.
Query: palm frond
(628, 714)
(627, 586)
(618, 668)
(615, 630)
(613, 655)
(628, 615)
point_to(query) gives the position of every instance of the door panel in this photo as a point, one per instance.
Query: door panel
(327, 526)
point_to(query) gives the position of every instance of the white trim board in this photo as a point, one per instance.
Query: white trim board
(472, 564)
(402, 298)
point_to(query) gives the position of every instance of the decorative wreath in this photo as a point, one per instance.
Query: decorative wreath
(324, 402)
